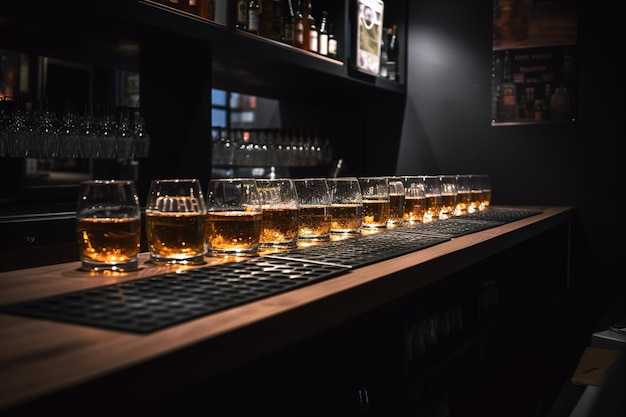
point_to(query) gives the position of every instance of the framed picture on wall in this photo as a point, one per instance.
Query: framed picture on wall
(534, 62)
(369, 30)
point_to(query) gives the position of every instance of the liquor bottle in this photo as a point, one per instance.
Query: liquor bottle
(298, 26)
(508, 91)
(252, 24)
(288, 16)
(172, 3)
(277, 20)
(332, 42)
(313, 38)
(382, 72)
(309, 29)
(266, 18)
(392, 53)
(323, 34)
(241, 14)
(206, 9)
(190, 6)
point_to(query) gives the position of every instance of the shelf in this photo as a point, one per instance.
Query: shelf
(112, 36)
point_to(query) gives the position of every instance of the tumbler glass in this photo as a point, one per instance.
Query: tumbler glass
(464, 198)
(396, 201)
(414, 199)
(432, 192)
(175, 221)
(449, 196)
(314, 213)
(234, 216)
(108, 225)
(346, 205)
(280, 224)
(375, 193)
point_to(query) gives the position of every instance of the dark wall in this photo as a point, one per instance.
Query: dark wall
(447, 127)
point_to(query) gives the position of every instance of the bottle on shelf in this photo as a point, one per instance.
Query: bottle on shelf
(288, 17)
(277, 20)
(332, 42)
(253, 13)
(309, 28)
(313, 38)
(241, 14)
(392, 53)
(189, 6)
(508, 91)
(206, 9)
(172, 3)
(384, 43)
(266, 18)
(298, 26)
(323, 34)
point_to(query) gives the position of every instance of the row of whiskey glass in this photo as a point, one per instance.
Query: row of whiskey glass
(248, 216)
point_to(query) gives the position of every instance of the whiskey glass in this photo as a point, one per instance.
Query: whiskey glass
(449, 196)
(314, 213)
(432, 192)
(464, 196)
(396, 201)
(108, 225)
(234, 214)
(346, 205)
(375, 193)
(414, 199)
(280, 223)
(175, 221)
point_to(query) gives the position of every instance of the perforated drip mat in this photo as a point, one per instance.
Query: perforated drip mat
(450, 228)
(502, 215)
(153, 303)
(148, 304)
(362, 250)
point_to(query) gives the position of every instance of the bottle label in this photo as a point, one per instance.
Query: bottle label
(332, 47)
(253, 21)
(313, 41)
(299, 34)
(323, 44)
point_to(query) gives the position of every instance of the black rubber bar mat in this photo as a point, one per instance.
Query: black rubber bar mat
(153, 303)
(449, 228)
(502, 215)
(362, 250)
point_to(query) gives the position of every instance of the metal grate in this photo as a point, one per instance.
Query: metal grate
(362, 250)
(149, 304)
(502, 215)
(449, 228)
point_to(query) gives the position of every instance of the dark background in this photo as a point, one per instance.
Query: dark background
(447, 128)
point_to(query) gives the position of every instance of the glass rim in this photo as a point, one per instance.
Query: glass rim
(103, 181)
(175, 180)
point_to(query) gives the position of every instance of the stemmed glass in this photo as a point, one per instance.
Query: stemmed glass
(69, 134)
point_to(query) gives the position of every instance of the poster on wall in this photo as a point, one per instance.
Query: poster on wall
(369, 30)
(534, 62)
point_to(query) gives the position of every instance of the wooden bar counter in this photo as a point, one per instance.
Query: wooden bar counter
(56, 368)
